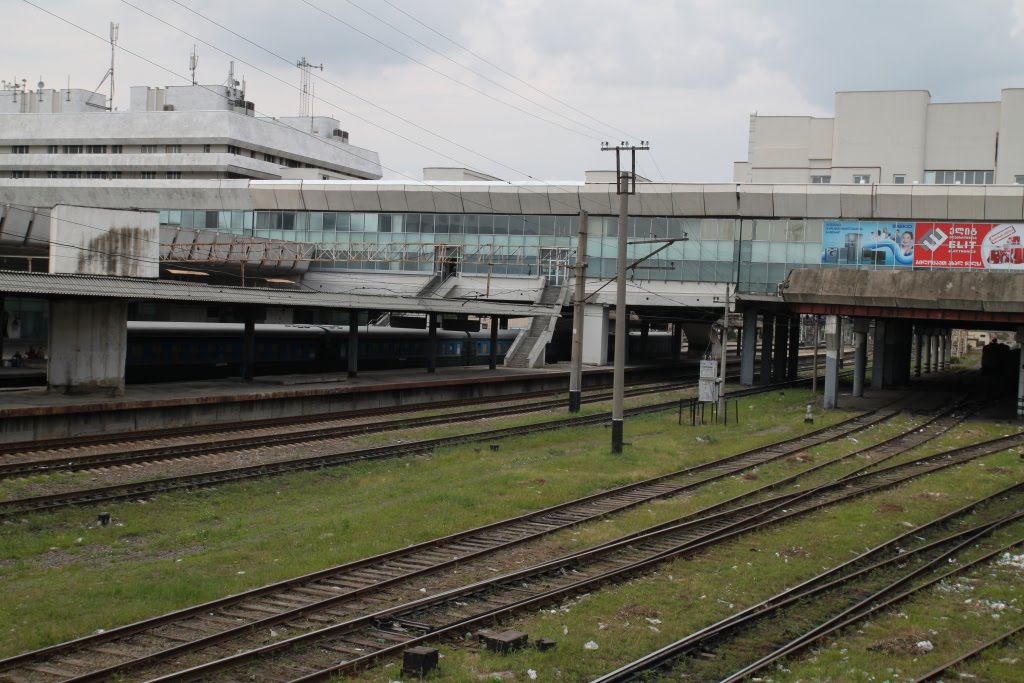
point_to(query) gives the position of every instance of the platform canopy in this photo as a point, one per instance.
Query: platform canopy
(954, 296)
(138, 289)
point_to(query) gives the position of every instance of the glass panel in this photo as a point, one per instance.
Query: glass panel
(501, 225)
(988, 177)
(369, 222)
(426, 223)
(726, 229)
(709, 229)
(958, 177)
(777, 252)
(486, 225)
(795, 230)
(759, 252)
(344, 222)
(471, 224)
(515, 225)
(762, 230)
(778, 230)
(747, 230)
(611, 227)
(812, 252)
(531, 225)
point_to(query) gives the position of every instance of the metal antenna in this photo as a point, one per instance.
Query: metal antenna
(113, 45)
(193, 62)
(305, 92)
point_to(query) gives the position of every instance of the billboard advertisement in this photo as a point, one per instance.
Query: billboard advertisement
(994, 246)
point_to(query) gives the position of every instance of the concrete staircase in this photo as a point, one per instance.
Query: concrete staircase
(528, 349)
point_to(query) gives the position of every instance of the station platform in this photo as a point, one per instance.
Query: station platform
(34, 413)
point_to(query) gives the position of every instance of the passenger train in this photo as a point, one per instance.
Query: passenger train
(162, 351)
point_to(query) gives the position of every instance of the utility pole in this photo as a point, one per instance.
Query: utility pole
(625, 186)
(576, 365)
(725, 340)
(114, 29)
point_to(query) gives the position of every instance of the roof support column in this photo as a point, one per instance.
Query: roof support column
(781, 348)
(249, 345)
(917, 352)
(860, 354)
(749, 347)
(833, 347)
(767, 337)
(948, 348)
(431, 342)
(88, 341)
(353, 342)
(492, 360)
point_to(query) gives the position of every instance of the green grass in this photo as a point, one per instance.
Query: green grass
(65, 576)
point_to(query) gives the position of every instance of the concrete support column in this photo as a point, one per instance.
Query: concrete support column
(249, 346)
(492, 359)
(1020, 376)
(645, 330)
(767, 338)
(933, 351)
(595, 335)
(833, 347)
(781, 348)
(677, 341)
(793, 362)
(353, 343)
(87, 344)
(860, 354)
(431, 343)
(901, 352)
(878, 366)
(889, 369)
(928, 351)
(749, 347)
(917, 353)
(948, 349)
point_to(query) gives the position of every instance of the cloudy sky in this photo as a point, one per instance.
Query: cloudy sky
(529, 88)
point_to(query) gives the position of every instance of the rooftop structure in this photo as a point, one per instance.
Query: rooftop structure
(891, 137)
(173, 133)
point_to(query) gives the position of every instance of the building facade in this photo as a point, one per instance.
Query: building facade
(174, 133)
(891, 137)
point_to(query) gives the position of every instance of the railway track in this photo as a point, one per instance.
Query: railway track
(309, 601)
(357, 640)
(936, 673)
(141, 489)
(746, 642)
(30, 458)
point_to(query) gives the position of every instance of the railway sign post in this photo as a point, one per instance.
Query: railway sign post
(707, 386)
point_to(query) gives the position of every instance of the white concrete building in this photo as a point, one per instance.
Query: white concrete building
(178, 132)
(891, 137)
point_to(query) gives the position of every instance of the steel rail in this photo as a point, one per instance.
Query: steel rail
(967, 656)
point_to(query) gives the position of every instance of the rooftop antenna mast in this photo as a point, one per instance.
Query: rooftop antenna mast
(113, 46)
(305, 91)
(193, 62)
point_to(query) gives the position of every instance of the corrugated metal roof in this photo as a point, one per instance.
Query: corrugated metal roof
(138, 289)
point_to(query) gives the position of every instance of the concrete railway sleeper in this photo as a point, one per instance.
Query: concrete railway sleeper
(67, 456)
(333, 612)
(359, 640)
(147, 488)
(320, 590)
(716, 652)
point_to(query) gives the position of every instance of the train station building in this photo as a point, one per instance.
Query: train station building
(757, 244)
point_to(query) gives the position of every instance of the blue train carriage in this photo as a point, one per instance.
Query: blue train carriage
(162, 351)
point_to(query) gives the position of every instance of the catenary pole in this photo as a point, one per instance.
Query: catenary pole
(725, 340)
(576, 364)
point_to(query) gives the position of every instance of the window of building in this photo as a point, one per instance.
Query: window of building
(96, 174)
(232, 149)
(19, 149)
(174, 175)
(270, 157)
(70, 174)
(1018, 179)
(52, 174)
(206, 149)
(19, 174)
(862, 179)
(53, 149)
(958, 177)
(149, 149)
(899, 179)
(95, 149)
(148, 175)
(821, 179)
(72, 149)
(116, 149)
(116, 174)
(173, 149)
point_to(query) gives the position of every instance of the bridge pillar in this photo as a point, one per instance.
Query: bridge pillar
(781, 349)
(936, 356)
(902, 338)
(917, 352)
(878, 366)
(833, 347)
(928, 351)
(793, 363)
(948, 347)
(749, 347)
(87, 344)
(767, 337)
(860, 354)
(595, 335)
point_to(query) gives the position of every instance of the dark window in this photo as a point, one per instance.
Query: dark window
(19, 149)
(174, 175)
(116, 149)
(95, 149)
(52, 149)
(72, 149)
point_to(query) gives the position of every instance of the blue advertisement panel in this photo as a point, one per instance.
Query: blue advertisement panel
(877, 243)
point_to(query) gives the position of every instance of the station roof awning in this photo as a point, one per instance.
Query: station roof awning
(50, 285)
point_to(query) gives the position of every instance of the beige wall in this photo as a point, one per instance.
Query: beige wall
(881, 133)
(1011, 136)
(962, 136)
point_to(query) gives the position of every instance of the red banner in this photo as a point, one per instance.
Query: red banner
(969, 245)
